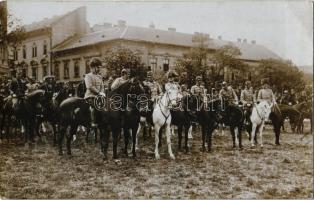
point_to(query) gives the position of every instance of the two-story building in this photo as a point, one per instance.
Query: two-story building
(63, 46)
(34, 57)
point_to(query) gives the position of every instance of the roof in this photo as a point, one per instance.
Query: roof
(133, 33)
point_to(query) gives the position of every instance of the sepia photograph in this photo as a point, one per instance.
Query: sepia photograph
(156, 99)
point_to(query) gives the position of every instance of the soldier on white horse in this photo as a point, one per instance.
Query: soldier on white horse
(162, 115)
(261, 112)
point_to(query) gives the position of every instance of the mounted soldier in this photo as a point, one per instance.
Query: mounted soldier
(228, 94)
(171, 84)
(154, 87)
(197, 89)
(17, 87)
(247, 99)
(285, 99)
(94, 87)
(81, 88)
(125, 75)
(31, 85)
(266, 93)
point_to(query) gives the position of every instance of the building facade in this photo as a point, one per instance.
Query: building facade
(63, 46)
(4, 70)
(34, 57)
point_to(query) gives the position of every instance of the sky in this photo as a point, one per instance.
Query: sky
(285, 27)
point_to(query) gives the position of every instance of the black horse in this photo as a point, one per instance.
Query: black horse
(182, 118)
(135, 105)
(51, 109)
(305, 108)
(26, 109)
(223, 112)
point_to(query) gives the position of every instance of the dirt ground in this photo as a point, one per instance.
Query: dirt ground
(284, 171)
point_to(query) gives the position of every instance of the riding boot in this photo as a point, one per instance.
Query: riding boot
(93, 118)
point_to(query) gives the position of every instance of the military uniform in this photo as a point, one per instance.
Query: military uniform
(93, 80)
(197, 90)
(247, 96)
(228, 95)
(154, 87)
(266, 94)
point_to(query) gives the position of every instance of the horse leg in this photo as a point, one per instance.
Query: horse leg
(134, 139)
(62, 133)
(116, 131)
(137, 134)
(186, 138)
(104, 141)
(168, 134)
(203, 137)
(157, 130)
(253, 132)
(160, 136)
(54, 127)
(233, 136)
(126, 140)
(209, 134)
(179, 137)
(261, 132)
(240, 136)
(70, 136)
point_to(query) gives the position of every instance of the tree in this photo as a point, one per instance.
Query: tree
(282, 74)
(122, 58)
(201, 61)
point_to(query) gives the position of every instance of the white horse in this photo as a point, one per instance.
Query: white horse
(260, 113)
(162, 117)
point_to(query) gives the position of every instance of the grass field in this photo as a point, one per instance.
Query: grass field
(284, 171)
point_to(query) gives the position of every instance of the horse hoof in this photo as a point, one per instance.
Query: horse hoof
(157, 156)
(172, 157)
(60, 153)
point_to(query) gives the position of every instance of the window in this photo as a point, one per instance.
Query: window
(76, 69)
(166, 65)
(45, 48)
(87, 69)
(153, 64)
(56, 72)
(34, 72)
(34, 51)
(15, 54)
(45, 67)
(24, 52)
(66, 70)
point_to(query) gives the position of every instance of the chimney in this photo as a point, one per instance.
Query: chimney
(244, 40)
(152, 25)
(219, 37)
(121, 23)
(172, 29)
(239, 40)
(253, 42)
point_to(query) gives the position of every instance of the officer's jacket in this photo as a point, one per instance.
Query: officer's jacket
(116, 83)
(247, 96)
(266, 94)
(228, 94)
(93, 80)
(18, 86)
(197, 90)
(154, 88)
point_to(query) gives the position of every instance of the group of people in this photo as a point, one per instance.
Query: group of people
(94, 84)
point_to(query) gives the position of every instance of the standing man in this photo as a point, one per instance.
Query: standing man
(94, 86)
(81, 88)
